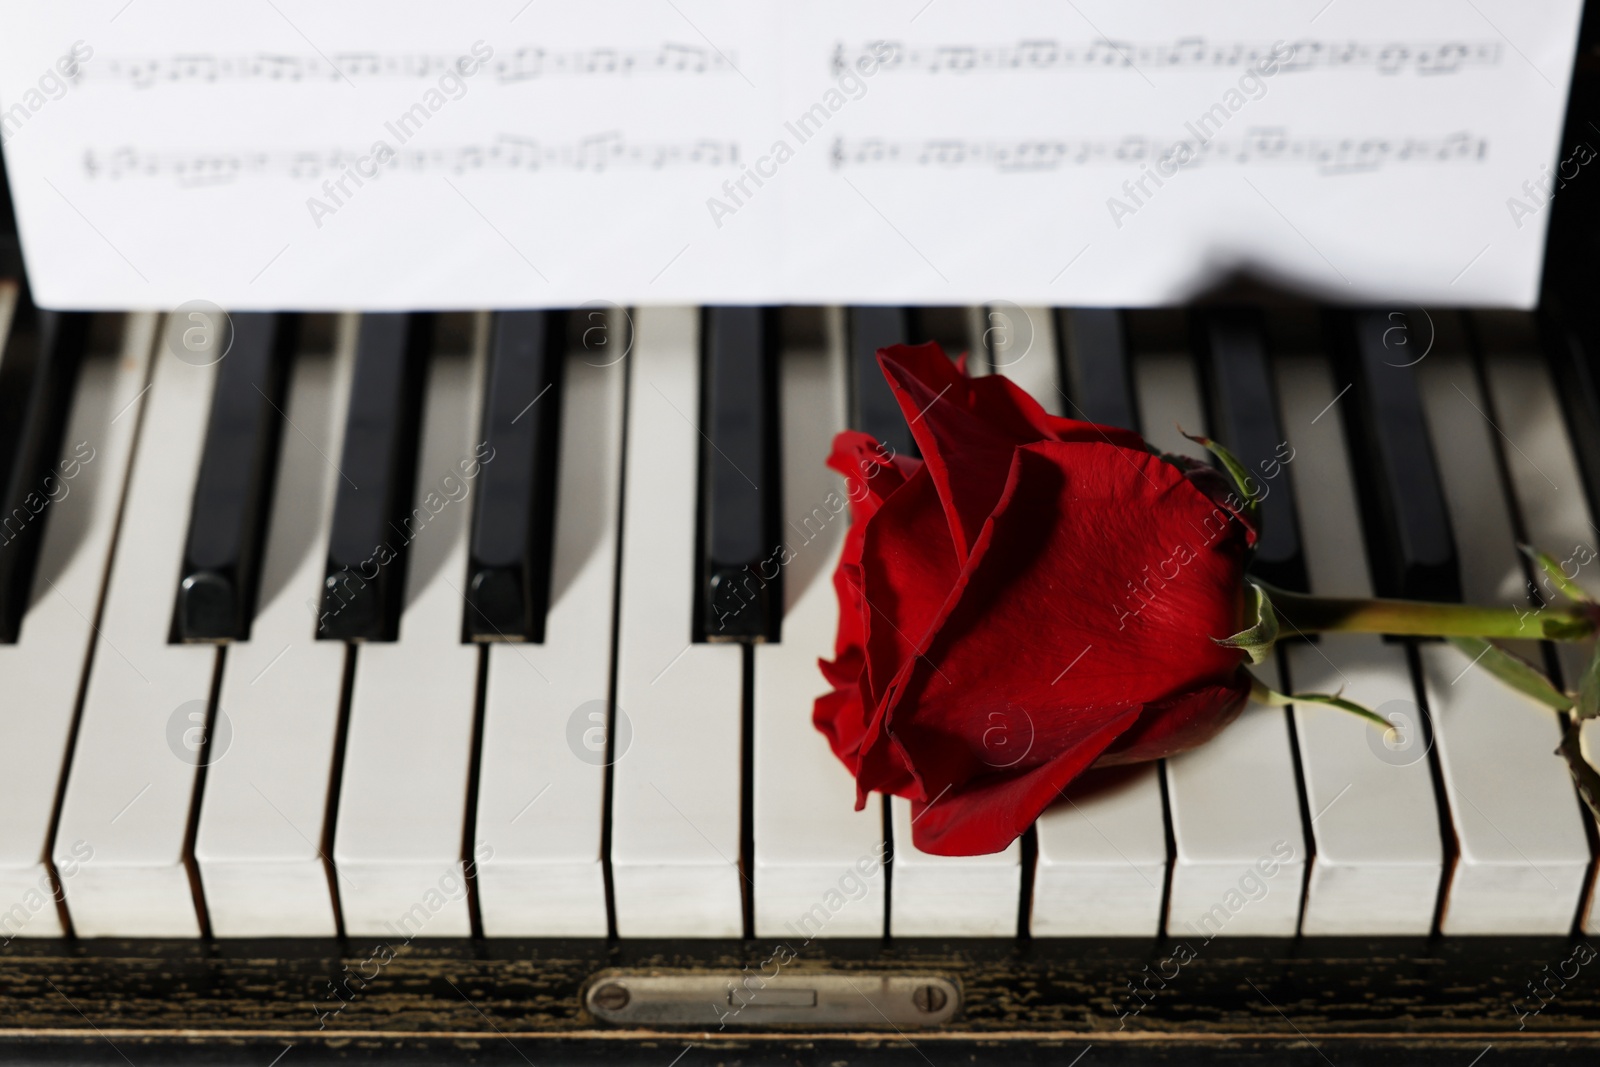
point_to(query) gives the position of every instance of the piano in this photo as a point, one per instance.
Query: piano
(436, 688)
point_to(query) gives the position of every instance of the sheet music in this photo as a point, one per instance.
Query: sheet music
(405, 154)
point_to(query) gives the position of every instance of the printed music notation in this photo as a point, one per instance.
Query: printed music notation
(1327, 155)
(508, 152)
(1049, 54)
(529, 63)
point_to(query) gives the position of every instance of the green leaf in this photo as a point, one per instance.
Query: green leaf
(1589, 689)
(1260, 692)
(1548, 564)
(1240, 473)
(1258, 640)
(1514, 671)
(1584, 775)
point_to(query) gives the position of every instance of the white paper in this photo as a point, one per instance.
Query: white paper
(326, 156)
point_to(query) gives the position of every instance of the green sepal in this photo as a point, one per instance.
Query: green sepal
(1257, 641)
(1260, 692)
(1547, 563)
(1240, 474)
(1559, 629)
(1514, 671)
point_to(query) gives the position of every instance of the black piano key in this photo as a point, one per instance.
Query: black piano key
(1094, 364)
(740, 581)
(874, 409)
(1411, 548)
(233, 489)
(10, 246)
(364, 582)
(38, 370)
(508, 571)
(1570, 349)
(1244, 418)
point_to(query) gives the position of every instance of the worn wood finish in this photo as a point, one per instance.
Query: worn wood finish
(1235, 1000)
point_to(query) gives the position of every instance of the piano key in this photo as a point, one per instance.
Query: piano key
(142, 737)
(738, 459)
(1545, 479)
(542, 772)
(958, 329)
(1524, 856)
(1022, 346)
(16, 371)
(363, 587)
(39, 364)
(1234, 801)
(1101, 867)
(233, 490)
(403, 796)
(1096, 367)
(1244, 417)
(1390, 444)
(950, 896)
(259, 845)
(508, 573)
(676, 795)
(873, 406)
(42, 669)
(1567, 346)
(818, 861)
(1374, 818)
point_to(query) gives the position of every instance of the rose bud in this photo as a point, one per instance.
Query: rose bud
(1037, 597)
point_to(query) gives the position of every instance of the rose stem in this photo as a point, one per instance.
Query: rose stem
(1416, 618)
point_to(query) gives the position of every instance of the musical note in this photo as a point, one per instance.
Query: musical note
(682, 57)
(280, 68)
(1037, 55)
(954, 57)
(525, 63)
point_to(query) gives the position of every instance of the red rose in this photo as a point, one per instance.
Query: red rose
(1040, 596)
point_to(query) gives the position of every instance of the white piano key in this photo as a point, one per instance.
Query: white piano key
(950, 896)
(1546, 484)
(408, 749)
(131, 784)
(1523, 856)
(677, 789)
(42, 670)
(819, 862)
(1022, 344)
(1102, 861)
(265, 803)
(1101, 867)
(1543, 469)
(541, 784)
(1374, 817)
(1234, 802)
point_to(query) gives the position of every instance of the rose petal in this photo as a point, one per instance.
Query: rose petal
(967, 428)
(1187, 721)
(986, 814)
(872, 474)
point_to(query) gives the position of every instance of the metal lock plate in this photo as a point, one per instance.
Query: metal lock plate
(720, 1000)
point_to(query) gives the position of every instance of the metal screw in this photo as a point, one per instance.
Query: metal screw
(928, 998)
(612, 997)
